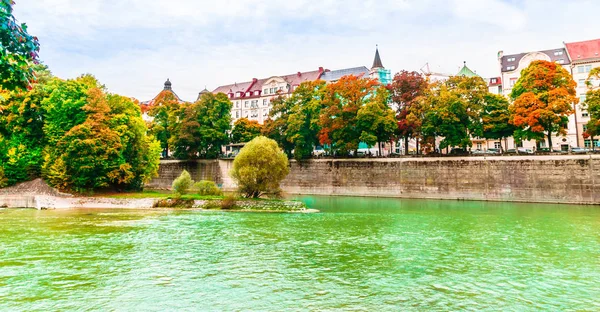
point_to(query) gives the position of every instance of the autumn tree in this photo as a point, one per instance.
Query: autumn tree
(405, 89)
(495, 118)
(244, 130)
(203, 127)
(376, 119)
(339, 117)
(543, 99)
(18, 51)
(165, 109)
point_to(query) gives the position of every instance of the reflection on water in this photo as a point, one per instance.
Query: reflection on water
(358, 254)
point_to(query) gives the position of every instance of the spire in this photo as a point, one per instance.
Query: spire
(167, 84)
(377, 61)
(466, 71)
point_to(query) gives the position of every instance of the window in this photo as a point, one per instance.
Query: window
(237, 104)
(580, 69)
(581, 99)
(581, 83)
(511, 59)
(557, 53)
(494, 80)
(266, 91)
(588, 68)
(246, 104)
(584, 128)
(588, 143)
(479, 146)
(248, 93)
(513, 81)
(510, 68)
(237, 114)
(265, 112)
(265, 102)
(560, 61)
(498, 145)
(585, 114)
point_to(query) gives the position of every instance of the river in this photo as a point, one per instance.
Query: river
(358, 254)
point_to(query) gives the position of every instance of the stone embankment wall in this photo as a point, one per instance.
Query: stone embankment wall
(552, 179)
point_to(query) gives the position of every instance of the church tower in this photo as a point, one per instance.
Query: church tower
(378, 71)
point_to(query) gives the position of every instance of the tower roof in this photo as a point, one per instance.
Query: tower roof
(466, 71)
(167, 84)
(377, 61)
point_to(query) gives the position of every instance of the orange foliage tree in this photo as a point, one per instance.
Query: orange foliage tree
(543, 100)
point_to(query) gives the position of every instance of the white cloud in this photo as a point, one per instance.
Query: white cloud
(134, 45)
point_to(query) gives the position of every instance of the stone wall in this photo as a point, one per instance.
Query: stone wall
(553, 179)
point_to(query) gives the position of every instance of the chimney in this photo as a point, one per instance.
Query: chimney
(299, 74)
(321, 69)
(254, 80)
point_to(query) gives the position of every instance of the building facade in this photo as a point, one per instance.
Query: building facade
(584, 56)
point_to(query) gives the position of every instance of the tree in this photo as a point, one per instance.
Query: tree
(543, 98)
(182, 183)
(405, 89)
(377, 120)
(244, 130)
(203, 127)
(18, 51)
(495, 118)
(342, 101)
(259, 168)
(303, 126)
(164, 112)
(592, 105)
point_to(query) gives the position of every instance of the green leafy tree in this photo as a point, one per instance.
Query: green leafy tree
(18, 51)
(495, 118)
(276, 126)
(377, 120)
(259, 168)
(543, 99)
(303, 126)
(183, 183)
(244, 130)
(592, 105)
(165, 110)
(203, 128)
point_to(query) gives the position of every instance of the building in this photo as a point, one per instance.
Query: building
(511, 66)
(584, 56)
(146, 105)
(253, 99)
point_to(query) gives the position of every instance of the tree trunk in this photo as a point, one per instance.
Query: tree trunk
(406, 145)
(550, 140)
(505, 144)
(592, 141)
(418, 152)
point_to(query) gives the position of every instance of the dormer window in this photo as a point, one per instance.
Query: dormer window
(510, 68)
(557, 53)
(248, 93)
(511, 59)
(266, 91)
(256, 92)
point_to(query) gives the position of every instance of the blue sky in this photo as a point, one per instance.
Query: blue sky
(132, 46)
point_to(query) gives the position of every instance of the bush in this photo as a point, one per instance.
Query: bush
(182, 183)
(259, 168)
(228, 202)
(205, 187)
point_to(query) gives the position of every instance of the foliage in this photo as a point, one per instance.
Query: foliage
(3, 179)
(543, 98)
(203, 127)
(495, 117)
(164, 111)
(18, 51)
(205, 187)
(338, 120)
(376, 119)
(244, 130)
(228, 202)
(453, 110)
(259, 168)
(592, 105)
(183, 183)
(405, 91)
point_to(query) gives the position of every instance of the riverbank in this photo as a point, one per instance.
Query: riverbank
(38, 195)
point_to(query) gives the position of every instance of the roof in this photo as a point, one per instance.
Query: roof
(335, 75)
(466, 71)
(377, 61)
(495, 81)
(584, 50)
(257, 84)
(555, 55)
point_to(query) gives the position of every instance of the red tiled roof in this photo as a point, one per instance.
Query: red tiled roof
(257, 85)
(584, 50)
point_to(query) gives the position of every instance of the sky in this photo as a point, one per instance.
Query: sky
(133, 46)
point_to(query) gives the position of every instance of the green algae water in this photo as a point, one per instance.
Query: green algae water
(359, 254)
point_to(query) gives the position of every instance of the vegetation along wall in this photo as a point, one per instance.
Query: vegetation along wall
(552, 179)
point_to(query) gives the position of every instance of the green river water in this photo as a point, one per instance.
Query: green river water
(359, 254)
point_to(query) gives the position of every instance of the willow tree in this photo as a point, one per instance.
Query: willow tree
(543, 99)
